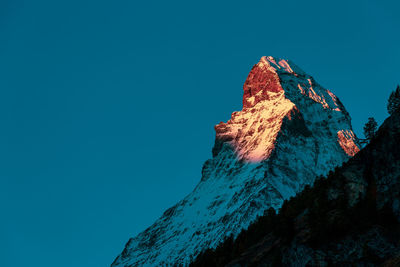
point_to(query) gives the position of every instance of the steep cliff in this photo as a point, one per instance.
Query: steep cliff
(289, 131)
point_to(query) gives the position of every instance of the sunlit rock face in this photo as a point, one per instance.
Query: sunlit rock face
(272, 91)
(290, 131)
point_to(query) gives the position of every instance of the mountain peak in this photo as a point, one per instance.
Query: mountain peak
(270, 92)
(279, 64)
(267, 75)
(290, 131)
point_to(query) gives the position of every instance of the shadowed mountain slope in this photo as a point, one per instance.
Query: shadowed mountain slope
(352, 218)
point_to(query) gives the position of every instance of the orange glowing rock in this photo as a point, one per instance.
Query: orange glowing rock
(346, 140)
(252, 132)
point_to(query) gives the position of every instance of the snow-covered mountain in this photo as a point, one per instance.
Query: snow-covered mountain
(290, 131)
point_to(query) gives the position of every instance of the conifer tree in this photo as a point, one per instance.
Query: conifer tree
(370, 128)
(394, 101)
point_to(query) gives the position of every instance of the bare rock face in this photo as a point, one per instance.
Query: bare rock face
(290, 131)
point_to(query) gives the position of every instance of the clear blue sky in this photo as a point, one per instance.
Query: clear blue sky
(107, 107)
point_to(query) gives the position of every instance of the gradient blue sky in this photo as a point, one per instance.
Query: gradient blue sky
(107, 107)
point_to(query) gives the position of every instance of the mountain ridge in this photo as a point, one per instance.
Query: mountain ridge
(289, 131)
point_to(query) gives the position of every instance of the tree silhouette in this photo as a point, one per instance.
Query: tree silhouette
(394, 101)
(370, 128)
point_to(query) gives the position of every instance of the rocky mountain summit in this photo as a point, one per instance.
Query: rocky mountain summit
(290, 131)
